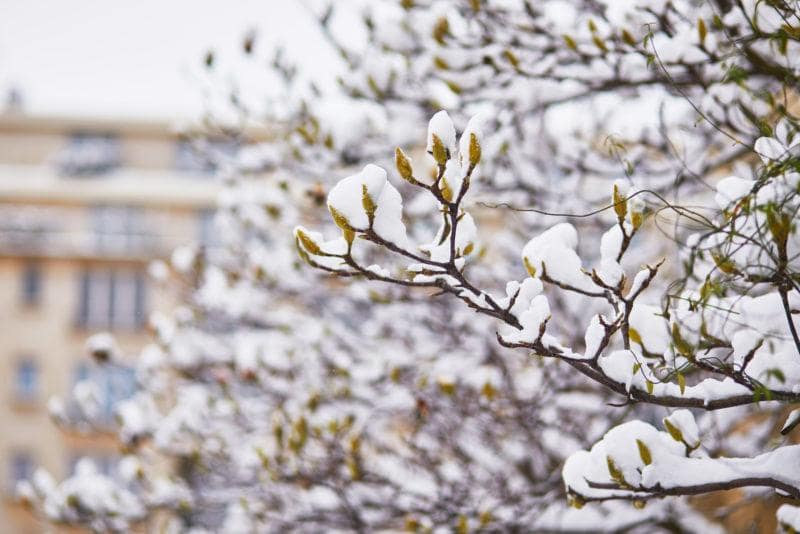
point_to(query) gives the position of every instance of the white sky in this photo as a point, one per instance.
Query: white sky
(138, 58)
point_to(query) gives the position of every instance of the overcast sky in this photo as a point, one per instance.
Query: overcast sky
(138, 58)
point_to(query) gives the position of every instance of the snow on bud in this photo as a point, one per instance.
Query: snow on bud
(731, 190)
(682, 427)
(158, 270)
(353, 200)
(87, 395)
(367, 200)
(183, 258)
(452, 180)
(56, 409)
(130, 469)
(441, 137)
(446, 385)
(43, 482)
(102, 347)
(789, 518)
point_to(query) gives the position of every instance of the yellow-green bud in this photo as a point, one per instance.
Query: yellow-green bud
(474, 149)
(620, 203)
(403, 165)
(438, 150)
(674, 431)
(367, 203)
(644, 452)
(309, 244)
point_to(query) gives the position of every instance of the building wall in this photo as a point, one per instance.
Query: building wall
(52, 221)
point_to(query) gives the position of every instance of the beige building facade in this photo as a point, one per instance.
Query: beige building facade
(85, 207)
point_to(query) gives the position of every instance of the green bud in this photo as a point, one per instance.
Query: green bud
(674, 431)
(599, 43)
(614, 472)
(474, 149)
(620, 203)
(702, 31)
(512, 58)
(403, 165)
(367, 203)
(309, 244)
(439, 151)
(628, 38)
(447, 192)
(441, 29)
(529, 267)
(644, 452)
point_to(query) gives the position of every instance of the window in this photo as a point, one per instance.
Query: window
(118, 228)
(31, 284)
(21, 468)
(104, 464)
(115, 383)
(207, 233)
(203, 156)
(112, 299)
(27, 380)
(90, 154)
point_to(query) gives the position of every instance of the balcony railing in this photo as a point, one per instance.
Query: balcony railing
(50, 241)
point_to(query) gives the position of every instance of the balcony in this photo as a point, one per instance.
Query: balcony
(58, 232)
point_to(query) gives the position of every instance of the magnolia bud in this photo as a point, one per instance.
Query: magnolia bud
(438, 150)
(403, 165)
(474, 149)
(620, 203)
(309, 244)
(367, 203)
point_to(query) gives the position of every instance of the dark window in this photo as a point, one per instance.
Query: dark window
(27, 380)
(207, 233)
(112, 299)
(115, 384)
(90, 154)
(103, 464)
(21, 468)
(118, 228)
(31, 284)
(203, 156)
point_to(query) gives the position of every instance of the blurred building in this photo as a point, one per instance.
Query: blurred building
(85, 206)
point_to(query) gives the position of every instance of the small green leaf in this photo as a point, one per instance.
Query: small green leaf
(628, 38)
(674, 431)
(702, 31)
(644, 452)
(614, 472)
